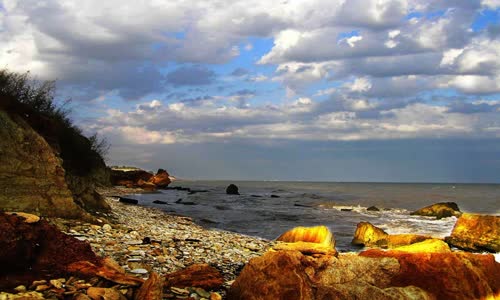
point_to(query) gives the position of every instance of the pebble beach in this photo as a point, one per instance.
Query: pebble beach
(145, 240)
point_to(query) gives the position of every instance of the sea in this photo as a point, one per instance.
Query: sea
(267, 209)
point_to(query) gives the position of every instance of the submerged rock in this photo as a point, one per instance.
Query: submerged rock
(373, 208)
(439, 210)
(476, 233)
(232, 189)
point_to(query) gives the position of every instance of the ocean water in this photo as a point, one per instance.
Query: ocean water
(268, 208)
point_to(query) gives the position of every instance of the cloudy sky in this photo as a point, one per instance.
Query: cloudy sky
(358, 90)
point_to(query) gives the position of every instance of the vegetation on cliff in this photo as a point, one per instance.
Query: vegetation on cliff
(35, 102)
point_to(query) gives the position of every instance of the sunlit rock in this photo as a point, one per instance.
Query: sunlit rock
(476, 233)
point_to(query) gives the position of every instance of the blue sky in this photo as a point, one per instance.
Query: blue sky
(360, 90)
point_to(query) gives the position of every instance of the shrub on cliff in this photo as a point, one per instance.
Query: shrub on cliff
(34, 101)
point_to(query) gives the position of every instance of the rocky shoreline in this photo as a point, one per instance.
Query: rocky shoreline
(144, 241)
(134, 252)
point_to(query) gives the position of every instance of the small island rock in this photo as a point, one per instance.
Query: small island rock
(232, 189)
(439, 210)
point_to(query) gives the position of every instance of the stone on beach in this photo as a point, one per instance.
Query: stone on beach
(439, 210)
(152, 289)
(475, 232)
(317, 239)
(197, 275)
(30, 251)
(232, 189)
(427, 246)
(161, 179)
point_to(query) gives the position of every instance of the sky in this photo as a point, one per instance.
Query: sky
(358, 90)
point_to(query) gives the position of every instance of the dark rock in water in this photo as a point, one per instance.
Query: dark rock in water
(188, 203)
(159, 202)
(346, 209)
(208, 221)
(178, 188)
(373, 208)
(232, 190)
(178, 200)
(476, 233)
(128, 200)
(439, 210)
(256, 196)
(302, 205)
(221, 207)
(275, 196)
(197, 191)
(37, 250)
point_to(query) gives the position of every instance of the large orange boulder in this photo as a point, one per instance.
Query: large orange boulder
(439, 210)
(476, 233)
(374, 274)
(456, 275)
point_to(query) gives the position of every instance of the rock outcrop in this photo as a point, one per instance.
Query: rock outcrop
(32, 178)
(476, 233)
(367, 234)
(439, 210)
(137, 178)
(46, 166)
(374, 274)
(232, 189)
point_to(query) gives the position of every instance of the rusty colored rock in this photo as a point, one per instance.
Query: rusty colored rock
(197, 275)
(152, 289)
(161, 179)
(33, 251)
(293, 275)
(370, 235)
(426, 246)
(398, 240)
(367, 234)
(439, 210)
(97, 293)
(306, 248)
(316, 234)
(106, 271)
(456, 275)
(476, 233)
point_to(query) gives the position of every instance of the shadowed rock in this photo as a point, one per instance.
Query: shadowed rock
(232, 190)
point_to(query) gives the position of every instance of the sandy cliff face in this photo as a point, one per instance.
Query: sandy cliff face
(32, 178)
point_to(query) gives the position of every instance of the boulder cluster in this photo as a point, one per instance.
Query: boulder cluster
(417, 267)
